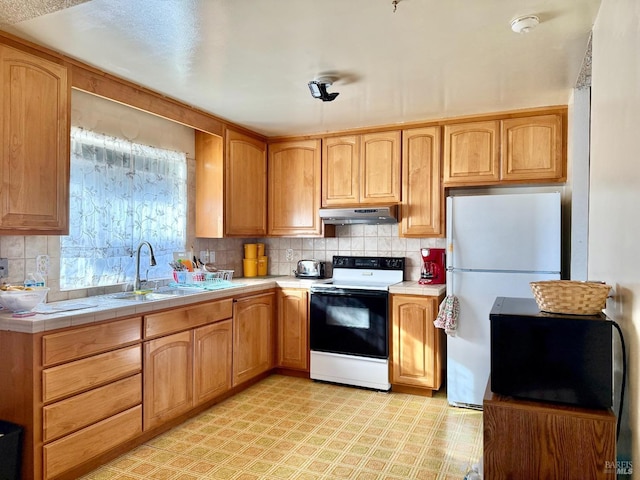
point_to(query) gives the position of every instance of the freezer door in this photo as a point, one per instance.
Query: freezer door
(468, 353)
(514, 232)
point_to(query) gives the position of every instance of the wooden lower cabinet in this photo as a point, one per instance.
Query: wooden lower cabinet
(252, 337)
(417, 346)
(91, 395)
(185, 369)
(82, 393)
(527, 439)
(168, 378)
(293, 329)
(77, 448)
(72, 414)
(212, 357)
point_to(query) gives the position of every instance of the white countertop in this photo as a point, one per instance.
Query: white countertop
(105, 307)
(414, 288)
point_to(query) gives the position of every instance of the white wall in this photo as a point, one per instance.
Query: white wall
(614, 213)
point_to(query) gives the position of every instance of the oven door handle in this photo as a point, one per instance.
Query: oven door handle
(343, 292)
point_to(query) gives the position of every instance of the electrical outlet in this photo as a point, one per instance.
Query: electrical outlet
(289, 254)
(4, 267)
(212, 257)
(42, 264)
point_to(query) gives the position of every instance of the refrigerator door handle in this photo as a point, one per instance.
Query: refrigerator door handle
(486, 270)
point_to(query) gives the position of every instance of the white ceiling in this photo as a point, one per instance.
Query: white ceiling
(249, 61)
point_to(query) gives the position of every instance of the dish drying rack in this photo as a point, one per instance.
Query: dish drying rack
(219, 276)
(202, 279)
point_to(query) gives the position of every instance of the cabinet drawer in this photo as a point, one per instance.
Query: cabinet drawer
(82, 342)
(176, 320)
(79, 447)
(90, 407)
(74, 377)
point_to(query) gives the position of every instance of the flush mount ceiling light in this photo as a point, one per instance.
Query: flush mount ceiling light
(318, 89)
(525, 23)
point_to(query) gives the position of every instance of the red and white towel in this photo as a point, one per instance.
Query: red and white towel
(448, 315)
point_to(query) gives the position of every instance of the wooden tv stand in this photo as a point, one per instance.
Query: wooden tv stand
(529, 439)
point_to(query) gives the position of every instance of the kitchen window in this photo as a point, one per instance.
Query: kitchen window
(121, 193)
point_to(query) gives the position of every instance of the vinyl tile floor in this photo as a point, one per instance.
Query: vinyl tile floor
(293, 428)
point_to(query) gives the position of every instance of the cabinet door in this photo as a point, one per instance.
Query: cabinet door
(422, 193)
(294, 188)
(471, 153)
(209, 185)
(293, 329)
(252, 337)
(168, 378)
(245, 205)
(532, 148)
(341, 171)
(380, 168)
(34, 156)
(211, 360)
(416, 357)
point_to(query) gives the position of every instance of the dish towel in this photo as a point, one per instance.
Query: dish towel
(448, 315)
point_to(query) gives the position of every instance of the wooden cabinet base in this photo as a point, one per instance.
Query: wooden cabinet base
(423, 392)
(526, 439)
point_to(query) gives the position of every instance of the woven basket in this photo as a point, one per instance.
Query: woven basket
(570, 297)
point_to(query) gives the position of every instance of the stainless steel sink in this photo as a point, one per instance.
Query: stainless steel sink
(140, 297)
(150, 295)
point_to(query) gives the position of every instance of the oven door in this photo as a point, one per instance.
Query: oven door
(350, 321)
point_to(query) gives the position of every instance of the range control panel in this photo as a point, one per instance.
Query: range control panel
(371, 263)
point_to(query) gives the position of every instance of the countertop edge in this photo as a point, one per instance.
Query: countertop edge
(108, 308)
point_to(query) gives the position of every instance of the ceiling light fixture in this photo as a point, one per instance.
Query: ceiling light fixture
(318, 89)
(525, 23)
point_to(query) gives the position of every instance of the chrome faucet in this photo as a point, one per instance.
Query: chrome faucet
(152, 263)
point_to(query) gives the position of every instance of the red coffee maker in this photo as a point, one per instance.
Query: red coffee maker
(433, 266)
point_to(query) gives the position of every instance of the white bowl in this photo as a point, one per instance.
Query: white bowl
(22, 300)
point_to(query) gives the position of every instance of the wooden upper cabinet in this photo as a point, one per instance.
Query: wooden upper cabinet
(341, 171)
(34, 155)
(380, 168)
(361, 169)
(209, 185)
(294, 188)
(472, 153)
(245, 206)
(532, 148)
(511, 150)
(422, 194)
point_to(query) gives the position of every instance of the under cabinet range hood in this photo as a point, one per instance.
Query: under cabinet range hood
(365, 215)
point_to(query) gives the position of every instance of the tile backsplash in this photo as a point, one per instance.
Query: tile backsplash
(365, 240)
(283, 253)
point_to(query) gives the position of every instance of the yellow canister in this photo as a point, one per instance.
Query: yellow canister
(262, 265)
(251, 250)
(250, 266)
(260, 249)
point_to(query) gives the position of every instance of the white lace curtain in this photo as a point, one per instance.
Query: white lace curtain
(121, 193)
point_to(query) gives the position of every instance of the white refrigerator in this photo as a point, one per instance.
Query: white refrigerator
(496, 245)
